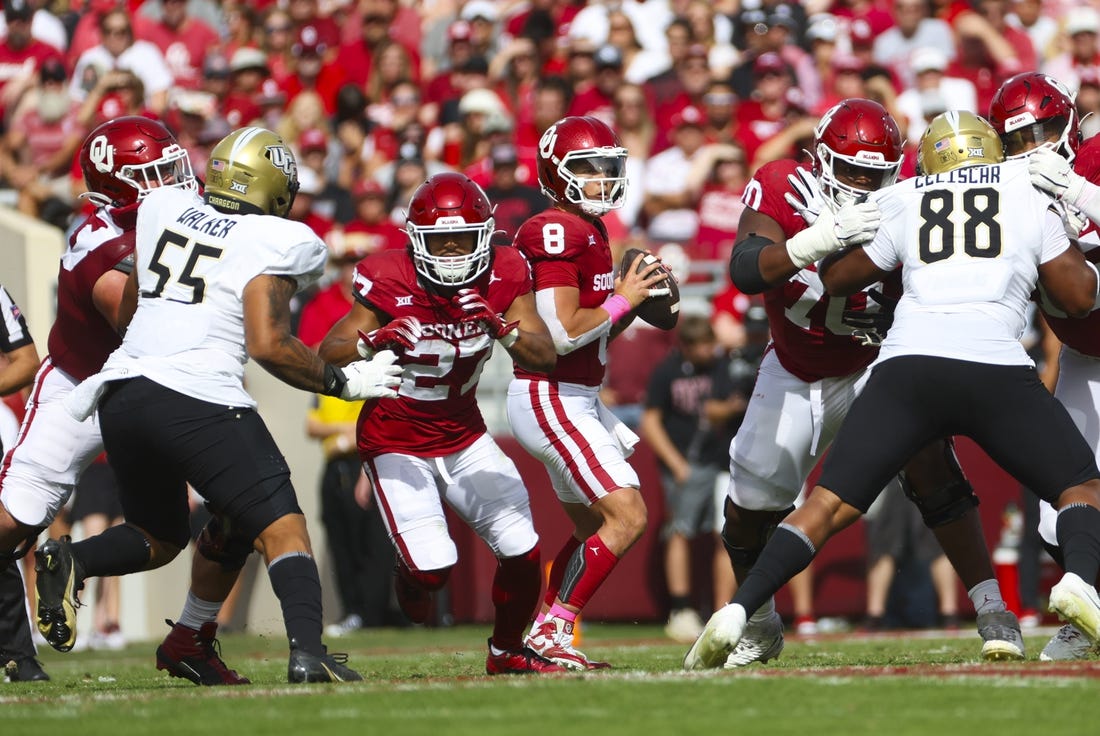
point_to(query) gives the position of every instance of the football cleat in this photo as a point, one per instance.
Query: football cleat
(22, 668)
(719, 638)
(1067, 644)
(415, 601)
(1077, 603)
(306, 667)
(553, 639)
(684, 626)
(1001, 637)
(60, 576)
(521, 661)
(762, 641)
(196, 656)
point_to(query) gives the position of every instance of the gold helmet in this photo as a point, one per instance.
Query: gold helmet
(958, 138)
(251, 172)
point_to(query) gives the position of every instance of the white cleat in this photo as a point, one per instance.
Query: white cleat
(1002, 640)
(721, 634)
(1077, 603)
(761, 642)
(1068, 644)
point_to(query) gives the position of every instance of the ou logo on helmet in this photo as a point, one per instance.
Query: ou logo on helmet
(102, 154)
(548, 141)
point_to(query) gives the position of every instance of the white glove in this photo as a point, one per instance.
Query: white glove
(852, 224)
(377, 378)
(857, 223)
(807, 199)
(1051, 173)
(1073, 219)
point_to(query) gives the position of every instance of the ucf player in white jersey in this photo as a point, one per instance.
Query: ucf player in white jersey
(214, 278)
(973, 238)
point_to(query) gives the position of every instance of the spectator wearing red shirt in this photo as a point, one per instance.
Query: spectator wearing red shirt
(515, 73)
(243, 27)
(718, 177)
(693, 74)
(306, 14)
(182, 39)
(442, 86)
(310, 71)
(301, 209)
(976, 61)
(356, 58)
(597, 100)
(511, 189)
(279, 36)
(720, 111)
(371, 229)
(20, 54)
(247, 72)
(768, 110)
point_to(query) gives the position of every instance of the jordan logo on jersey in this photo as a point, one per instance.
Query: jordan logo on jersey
(493, 277)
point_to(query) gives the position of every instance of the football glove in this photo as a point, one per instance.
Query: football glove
(807, 198)
(403, 332)
(377, 378)
(1073, 219)
(870, 327)
(1051, 173)
(855, 223)
(477, 309)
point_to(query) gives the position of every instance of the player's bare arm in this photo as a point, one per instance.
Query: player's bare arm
(534, 348)
(849, 271)
(269, 339)
(19, 372)
(108, 295)
(338, 347)
(1070, 282)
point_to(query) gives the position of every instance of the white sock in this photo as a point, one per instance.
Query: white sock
(197, 612)
(986, 597)
(764, 612)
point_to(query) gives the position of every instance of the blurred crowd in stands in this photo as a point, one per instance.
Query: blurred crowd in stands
(374, 95)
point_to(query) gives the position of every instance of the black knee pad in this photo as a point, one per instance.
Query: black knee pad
(944, 505)
(745, 537)
(23, 547)
(219, 542)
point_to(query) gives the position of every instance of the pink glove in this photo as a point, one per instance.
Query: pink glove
(401, 333)
(478, 310)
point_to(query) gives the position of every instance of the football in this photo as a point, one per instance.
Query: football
(659, 311)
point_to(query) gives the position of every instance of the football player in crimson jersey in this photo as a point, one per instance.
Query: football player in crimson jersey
(816, 364)
(1035, 116)
(556, 415)
(443, 303)
(122, 161)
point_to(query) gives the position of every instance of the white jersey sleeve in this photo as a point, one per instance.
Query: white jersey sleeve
(970, 242)
(193, 263)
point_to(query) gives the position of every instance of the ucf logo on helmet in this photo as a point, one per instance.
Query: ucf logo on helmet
(281, 159)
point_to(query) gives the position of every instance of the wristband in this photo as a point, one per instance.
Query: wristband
(335, 381)
(509, 339)
(1096, 296)
(617, 306)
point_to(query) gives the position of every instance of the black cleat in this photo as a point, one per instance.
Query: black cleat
(60, 576)
(306, 667)
(23, 668)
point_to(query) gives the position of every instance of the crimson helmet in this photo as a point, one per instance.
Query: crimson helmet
(450, 203)
(576, 152)
(858, 140)
(126, 158)
(1032, 110)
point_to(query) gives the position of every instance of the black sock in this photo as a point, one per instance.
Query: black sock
(15, 630)
(297, 585)
(117, 550)
(679, 602)
(785, 555)
(1078, 530)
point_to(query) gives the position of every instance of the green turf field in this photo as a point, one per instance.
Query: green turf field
(432, 681)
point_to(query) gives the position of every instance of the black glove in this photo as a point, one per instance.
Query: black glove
(870, 327)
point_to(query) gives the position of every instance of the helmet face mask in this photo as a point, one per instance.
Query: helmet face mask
(957, 138)
(582, 164)
(450, 226)
(1034, 110)
(126, 158)
(252, 172)
(857, 149)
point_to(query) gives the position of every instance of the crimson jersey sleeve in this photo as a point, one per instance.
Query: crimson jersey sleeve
(553, 243)
(765, 194)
